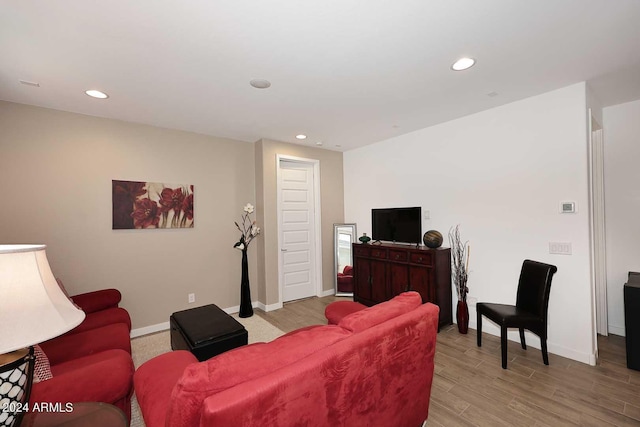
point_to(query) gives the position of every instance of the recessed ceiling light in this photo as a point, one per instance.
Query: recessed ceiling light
(463, 64)
(319, 143)
(96, 94)
(338, 145)
(260, 83)
(301, 136)
(492, 94)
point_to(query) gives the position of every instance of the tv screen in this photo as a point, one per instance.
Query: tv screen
(397, 224)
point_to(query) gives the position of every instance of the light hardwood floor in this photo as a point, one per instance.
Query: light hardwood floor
(471, 389)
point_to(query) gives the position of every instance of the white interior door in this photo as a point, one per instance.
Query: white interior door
(297, 230)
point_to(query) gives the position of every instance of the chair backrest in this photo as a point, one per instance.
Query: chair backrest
(534, 287)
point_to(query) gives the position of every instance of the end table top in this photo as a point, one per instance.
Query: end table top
(80, 414)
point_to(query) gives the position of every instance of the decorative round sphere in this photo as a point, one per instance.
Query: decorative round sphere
(432, 239)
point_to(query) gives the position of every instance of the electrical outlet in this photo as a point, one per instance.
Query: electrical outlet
(427, 214)
(472, 301)
(192, 298)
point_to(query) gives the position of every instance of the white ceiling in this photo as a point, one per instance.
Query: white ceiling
(345, 72)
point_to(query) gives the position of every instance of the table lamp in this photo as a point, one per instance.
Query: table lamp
(34, 309)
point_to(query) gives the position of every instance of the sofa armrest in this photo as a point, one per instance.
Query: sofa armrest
(154, 382)
(338, 310)
(104, 377)
(69, 347)
(97, 300)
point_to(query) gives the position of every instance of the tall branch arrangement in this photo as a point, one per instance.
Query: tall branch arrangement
(248, 230)
(460, 262)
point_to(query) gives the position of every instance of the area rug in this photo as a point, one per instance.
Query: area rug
(148, 346)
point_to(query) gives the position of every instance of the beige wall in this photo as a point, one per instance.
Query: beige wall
(56, 170)
(332, 208)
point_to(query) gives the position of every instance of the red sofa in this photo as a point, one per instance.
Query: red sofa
(374, 368)
(91, 363)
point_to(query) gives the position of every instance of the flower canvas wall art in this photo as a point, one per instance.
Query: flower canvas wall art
(138, 204)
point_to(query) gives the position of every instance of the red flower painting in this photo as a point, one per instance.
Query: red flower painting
(140, 205)
(145, 214)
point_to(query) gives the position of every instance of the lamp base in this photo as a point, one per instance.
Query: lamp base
(16, 377)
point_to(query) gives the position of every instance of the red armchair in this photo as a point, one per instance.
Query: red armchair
(101, 308)
(345, 280)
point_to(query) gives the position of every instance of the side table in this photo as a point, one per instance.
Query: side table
(81, 414)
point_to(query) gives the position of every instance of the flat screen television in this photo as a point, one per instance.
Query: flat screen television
(402, 225)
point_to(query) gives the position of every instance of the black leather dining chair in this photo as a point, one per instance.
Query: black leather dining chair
(530, 311)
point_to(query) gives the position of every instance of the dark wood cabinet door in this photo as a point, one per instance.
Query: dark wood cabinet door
(421, 281)
(398, 279)
(378, 281)
(362, 268)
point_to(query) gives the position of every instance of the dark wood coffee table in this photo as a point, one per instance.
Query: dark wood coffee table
(206, 331)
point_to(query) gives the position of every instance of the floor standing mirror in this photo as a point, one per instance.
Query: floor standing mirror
(343, 236)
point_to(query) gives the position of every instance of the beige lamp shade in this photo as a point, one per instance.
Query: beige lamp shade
(33, 308)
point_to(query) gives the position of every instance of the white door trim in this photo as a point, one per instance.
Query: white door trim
(318, 221)
(598, 229)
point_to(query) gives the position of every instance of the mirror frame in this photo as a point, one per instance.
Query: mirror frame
(336, 260)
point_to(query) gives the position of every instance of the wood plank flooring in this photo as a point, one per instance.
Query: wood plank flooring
(471, 389)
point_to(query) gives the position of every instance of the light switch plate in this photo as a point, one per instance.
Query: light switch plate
(560, 248)
(567, 207)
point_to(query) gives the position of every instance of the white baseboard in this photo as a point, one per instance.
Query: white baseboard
(164, 326)
(617, 330)
(534, 341)
(159, 327)
(269, 307)
(327, 293)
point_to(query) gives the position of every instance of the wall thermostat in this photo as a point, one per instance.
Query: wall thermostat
(567, 207)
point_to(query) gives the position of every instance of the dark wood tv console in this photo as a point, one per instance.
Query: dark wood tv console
(382, 271)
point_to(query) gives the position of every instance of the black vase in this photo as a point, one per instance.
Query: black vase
(246, 310)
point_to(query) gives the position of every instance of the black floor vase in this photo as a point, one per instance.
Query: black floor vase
(246, 310)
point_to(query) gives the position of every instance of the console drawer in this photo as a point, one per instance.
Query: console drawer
(398, 255)
(362, 250)
(422, 258)
(380, 253)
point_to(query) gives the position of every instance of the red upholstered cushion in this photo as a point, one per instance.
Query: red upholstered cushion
(100, 377)
(348, 270)
(97, 300)
(338, 310)
(69, 347)
(102, 318)
(42, 367)
(154, 381)
(243, 364)
(364, 319)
